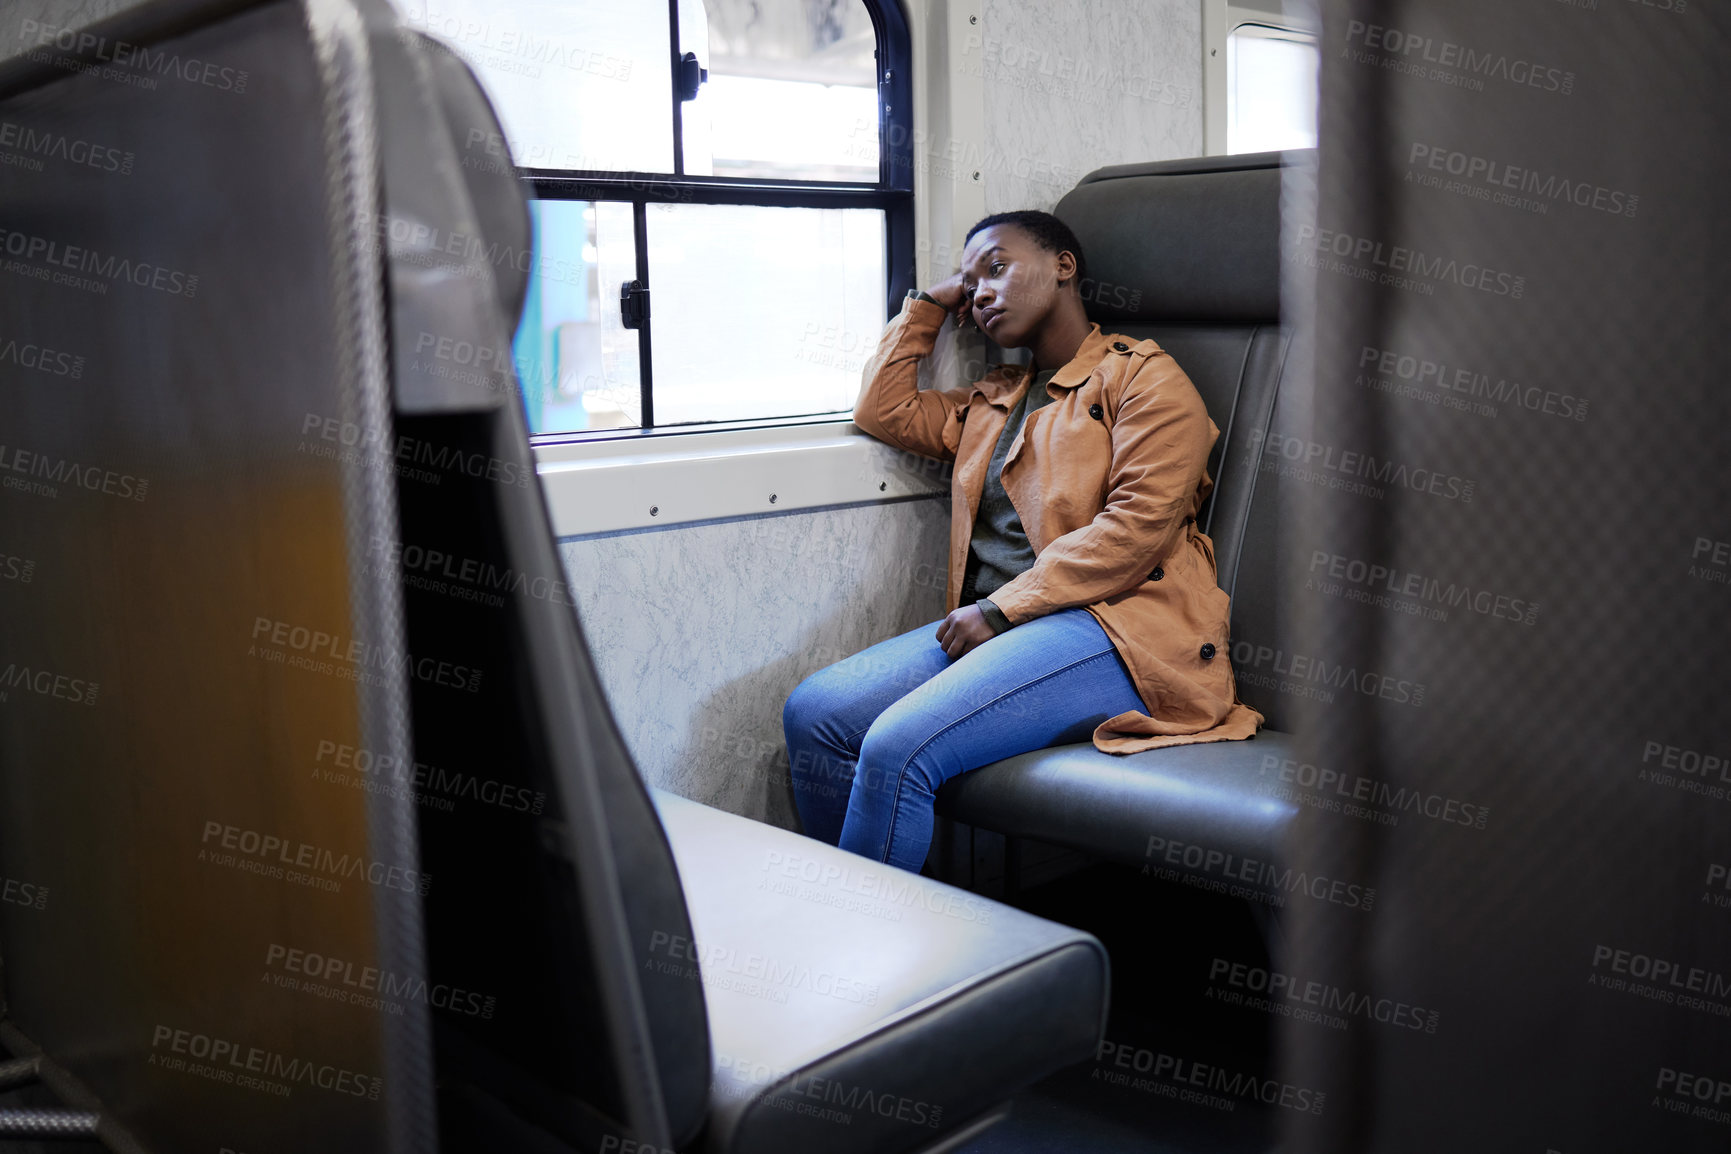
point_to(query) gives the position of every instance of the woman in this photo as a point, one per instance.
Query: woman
(1082, 595)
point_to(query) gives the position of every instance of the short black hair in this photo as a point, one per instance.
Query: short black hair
(1048, 232)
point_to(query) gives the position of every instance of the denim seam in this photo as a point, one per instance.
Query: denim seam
(901, 775)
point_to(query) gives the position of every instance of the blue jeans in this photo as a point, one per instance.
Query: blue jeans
(870, 739)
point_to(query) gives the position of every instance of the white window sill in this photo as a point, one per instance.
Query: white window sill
(604, 486)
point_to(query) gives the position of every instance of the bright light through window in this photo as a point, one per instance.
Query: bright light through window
(785, 128)
(1271, 89)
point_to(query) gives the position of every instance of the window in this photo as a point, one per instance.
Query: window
(1271, 88)
(721, 226)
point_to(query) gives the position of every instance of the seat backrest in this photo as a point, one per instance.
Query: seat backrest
(558, 892)
(1187, 253)
(296, 609)
(195, 646)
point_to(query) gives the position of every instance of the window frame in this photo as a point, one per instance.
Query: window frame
(892, 193)
(1264, 28)
(1220, 20)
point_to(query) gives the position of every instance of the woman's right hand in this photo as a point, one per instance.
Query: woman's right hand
(952, 295)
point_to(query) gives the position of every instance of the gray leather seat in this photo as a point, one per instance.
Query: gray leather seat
(857, 1007)
(1185, 252)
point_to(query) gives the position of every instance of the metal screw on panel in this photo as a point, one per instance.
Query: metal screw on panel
(655, 510)
(976, 176)
(973, 20)
(882, 485)
(772, 498)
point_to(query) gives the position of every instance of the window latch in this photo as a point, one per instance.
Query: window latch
(690, 76)
(633, 304)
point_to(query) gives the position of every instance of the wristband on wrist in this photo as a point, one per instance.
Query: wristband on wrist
(993, 615)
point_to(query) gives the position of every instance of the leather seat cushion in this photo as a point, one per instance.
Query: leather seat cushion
(1219, 797)
(856, 1007)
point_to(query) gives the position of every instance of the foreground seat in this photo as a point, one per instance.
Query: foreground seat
(856, 1007)
(1187, 253)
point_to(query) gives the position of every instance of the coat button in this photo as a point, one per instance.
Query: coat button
(1096, 412)
(1158, 574)
(1121, 346)
(1208, 651)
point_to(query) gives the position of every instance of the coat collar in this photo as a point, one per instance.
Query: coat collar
(1003, 385)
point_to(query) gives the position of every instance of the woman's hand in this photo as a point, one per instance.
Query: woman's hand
(964, 630)
(952, 294)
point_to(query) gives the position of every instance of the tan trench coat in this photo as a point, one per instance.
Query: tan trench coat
(1107, 480)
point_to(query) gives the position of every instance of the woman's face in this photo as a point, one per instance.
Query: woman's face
(1012, 283)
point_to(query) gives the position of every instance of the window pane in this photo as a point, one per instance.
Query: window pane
(576, 83)
(576, 363)
(762, 312)
(792, 90)
(1271, 89)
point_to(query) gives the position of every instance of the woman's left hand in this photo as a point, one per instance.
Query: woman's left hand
(964, 630)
